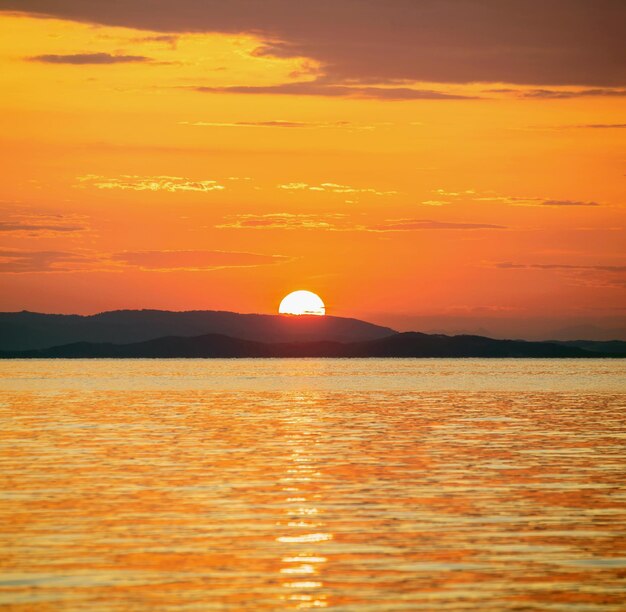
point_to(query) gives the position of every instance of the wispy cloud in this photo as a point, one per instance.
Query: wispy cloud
(37, 228)
(288, 221)
(24, 221)
(559, 94)
(171, 40)
(574, 126)
(568, 267)
(406, 225)
(90, 58)
(568, 203)
(195, 260)
(590, 276)
(279, 124)
(533, 201)
(333, 188)
(18, 261)
(600, 126)
(23, 261)
(492, 196)
(454, 194)
(321, 87)
(150, 183)
(340, 223)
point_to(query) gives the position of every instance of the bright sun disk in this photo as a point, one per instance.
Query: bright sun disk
(302, 303)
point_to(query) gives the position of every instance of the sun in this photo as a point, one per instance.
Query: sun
(302, 303)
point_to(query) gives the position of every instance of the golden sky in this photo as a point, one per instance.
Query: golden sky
(446, 174)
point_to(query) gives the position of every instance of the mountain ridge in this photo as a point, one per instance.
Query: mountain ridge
(32, 331)
(406, 344)
(27, 330)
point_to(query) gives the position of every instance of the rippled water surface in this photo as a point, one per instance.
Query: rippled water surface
(360, 485)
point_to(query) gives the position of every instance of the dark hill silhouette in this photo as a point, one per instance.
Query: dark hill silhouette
(615, 347)
(398, 345)
(30, 330)
(413, 344)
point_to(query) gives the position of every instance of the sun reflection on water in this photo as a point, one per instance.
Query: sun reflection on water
(304, 524)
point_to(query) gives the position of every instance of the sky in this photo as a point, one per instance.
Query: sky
(435, 165)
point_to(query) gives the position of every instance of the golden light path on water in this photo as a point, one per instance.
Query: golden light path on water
(301, 484)
(304, 566)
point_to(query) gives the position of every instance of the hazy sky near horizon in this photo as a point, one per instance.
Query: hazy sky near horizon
(455, 162)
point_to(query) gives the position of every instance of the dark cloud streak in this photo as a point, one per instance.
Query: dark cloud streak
(568, 203)
(507, 265)
(403, 225)
(602, 126)
(555, 94)
(33, 227)
(14, 261)
(319, 88)
(80, 59)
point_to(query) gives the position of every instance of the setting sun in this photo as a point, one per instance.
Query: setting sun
(302, 303)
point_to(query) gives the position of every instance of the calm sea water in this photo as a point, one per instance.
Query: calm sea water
(291, 484)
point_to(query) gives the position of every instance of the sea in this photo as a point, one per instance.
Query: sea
(291, 484)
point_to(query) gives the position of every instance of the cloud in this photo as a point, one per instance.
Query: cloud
(568, 203)
(507, 265)
(195, 260)
(277, 124)
(332, 188)
(19, 261)
(38, 228)
(16, 261)
(170, 40)
(340, 223)
(601, 126)
(322, 88)
(580, 126)
(150, 183)
(556, 94)
(491, 196)
(561, 42)
(90, 58)
(590, 276)
(22, 220)
(454, 194)
(288, 221)
(405, 225)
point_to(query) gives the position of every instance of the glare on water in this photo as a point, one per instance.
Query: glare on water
(301, 484)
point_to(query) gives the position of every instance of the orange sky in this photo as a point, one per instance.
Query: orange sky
(140, 170)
